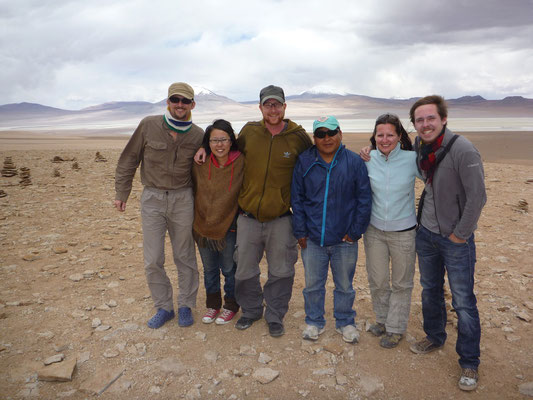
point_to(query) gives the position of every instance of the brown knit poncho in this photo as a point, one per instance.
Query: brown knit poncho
(215, 199)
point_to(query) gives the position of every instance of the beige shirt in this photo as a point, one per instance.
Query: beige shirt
(165, 162)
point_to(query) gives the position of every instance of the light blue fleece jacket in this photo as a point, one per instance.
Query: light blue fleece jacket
(392, 180)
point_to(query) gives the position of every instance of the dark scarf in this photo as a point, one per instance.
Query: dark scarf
(427, 156)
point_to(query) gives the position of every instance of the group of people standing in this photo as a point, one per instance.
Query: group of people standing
(271, 189)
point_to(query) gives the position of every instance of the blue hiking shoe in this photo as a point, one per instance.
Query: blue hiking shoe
(160, 317)
(185, 317)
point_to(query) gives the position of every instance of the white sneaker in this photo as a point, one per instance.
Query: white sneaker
(349, 333)
(312, 332)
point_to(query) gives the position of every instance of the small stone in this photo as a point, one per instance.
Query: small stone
(103, 307)
(46, 335)
(155, 389)
(324, 371)
(76, 277)
(60, 372)
(113, 284)
(201, 336)
(68, 393)
(107, 247)
(96, 322)
(49, 267)
(78, 314)
(193, 394)
(88, 273)
(334, 348)
(341, 380)
(141, 348)
(54, 359)
(29, 257)
(112, 303)
(110, 353)
(264, 358)
(59, 250)
(129, 300)
(526, 389)
(211, 356)
(524, 316)
(83, 357)
(246, 350)
(512, 338)
(172, 366)
(529, 304)
(265, 375)
(102, 328)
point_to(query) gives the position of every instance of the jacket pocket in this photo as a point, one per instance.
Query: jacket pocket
(154, 153)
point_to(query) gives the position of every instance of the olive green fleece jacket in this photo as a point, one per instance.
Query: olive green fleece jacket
(269, 163)
(165, 163)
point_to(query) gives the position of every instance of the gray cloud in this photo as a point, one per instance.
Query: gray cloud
(71, 54)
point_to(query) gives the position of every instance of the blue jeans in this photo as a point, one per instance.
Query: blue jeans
(220, 261)
(316, 259)
(437, 254)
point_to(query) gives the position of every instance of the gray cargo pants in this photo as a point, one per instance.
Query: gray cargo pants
(171, 210)
(276, 240)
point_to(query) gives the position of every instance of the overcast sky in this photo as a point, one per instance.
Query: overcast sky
(73, 54)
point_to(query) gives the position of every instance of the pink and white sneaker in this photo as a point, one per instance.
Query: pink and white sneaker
(210, 315)
(225, 317)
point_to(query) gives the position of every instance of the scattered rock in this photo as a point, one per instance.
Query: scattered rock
(201, 336)
(46, 335)
(370, 385)
(529, 304)
(334, 348)
(59, 250)
(29, 257)
(526, 389)
(246, 350)
(265, 375)
(524, 316)
(61, 372)
(341, 380)
(192, 394)
(76, 277)
(110, 353)
(264, 358)
(2, 193)
(324, 371)
(102, 328)
(172, 366)
(211, 356)
(512, 338)
(54, 359)
(99, 157)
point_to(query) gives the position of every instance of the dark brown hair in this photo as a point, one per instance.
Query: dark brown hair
(439, 101)
(405, 140)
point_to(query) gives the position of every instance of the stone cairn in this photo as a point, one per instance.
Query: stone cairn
(99, 158)
(2, 193)
(75, 166)
(25, 179)
(9, 168)
(56, 172)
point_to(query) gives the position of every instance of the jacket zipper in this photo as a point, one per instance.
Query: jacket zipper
(266, 175)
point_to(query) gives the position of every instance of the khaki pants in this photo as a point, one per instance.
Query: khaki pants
(390, 288)
(171, 210)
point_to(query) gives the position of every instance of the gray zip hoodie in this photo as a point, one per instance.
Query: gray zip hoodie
(458, 187)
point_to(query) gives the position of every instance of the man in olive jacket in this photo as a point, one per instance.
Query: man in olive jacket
(271, 147)
(165, 145)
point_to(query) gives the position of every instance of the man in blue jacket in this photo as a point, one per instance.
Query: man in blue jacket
(331, 203)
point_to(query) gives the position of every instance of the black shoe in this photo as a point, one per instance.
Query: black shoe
(275, 329)
(245, 322)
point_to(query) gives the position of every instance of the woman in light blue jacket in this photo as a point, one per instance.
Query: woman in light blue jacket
(390, 238)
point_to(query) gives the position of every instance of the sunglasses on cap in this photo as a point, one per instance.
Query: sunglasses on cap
(176, 100)
(329, 132)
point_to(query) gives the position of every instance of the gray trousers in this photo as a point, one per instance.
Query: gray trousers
(276, 240)
(171, 210)
(390, 288)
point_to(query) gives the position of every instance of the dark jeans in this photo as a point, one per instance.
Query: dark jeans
(437, 254)
(215, 262)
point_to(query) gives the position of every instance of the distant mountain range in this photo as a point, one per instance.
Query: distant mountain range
(209, 106)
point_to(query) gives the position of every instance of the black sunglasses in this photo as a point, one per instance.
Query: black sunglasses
(329, 132)
(176, 100)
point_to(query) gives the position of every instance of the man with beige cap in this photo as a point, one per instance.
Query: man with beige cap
(165, 145)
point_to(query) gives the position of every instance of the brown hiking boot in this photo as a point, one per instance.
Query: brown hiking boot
(424, 346)
(390, 340)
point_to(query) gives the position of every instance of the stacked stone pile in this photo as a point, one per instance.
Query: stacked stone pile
(9, 168)
(25, 178)
(99, 157)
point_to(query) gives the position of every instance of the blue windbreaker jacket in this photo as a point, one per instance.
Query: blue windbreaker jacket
(330, 200)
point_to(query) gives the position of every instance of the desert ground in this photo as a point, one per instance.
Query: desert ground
(72, 287)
